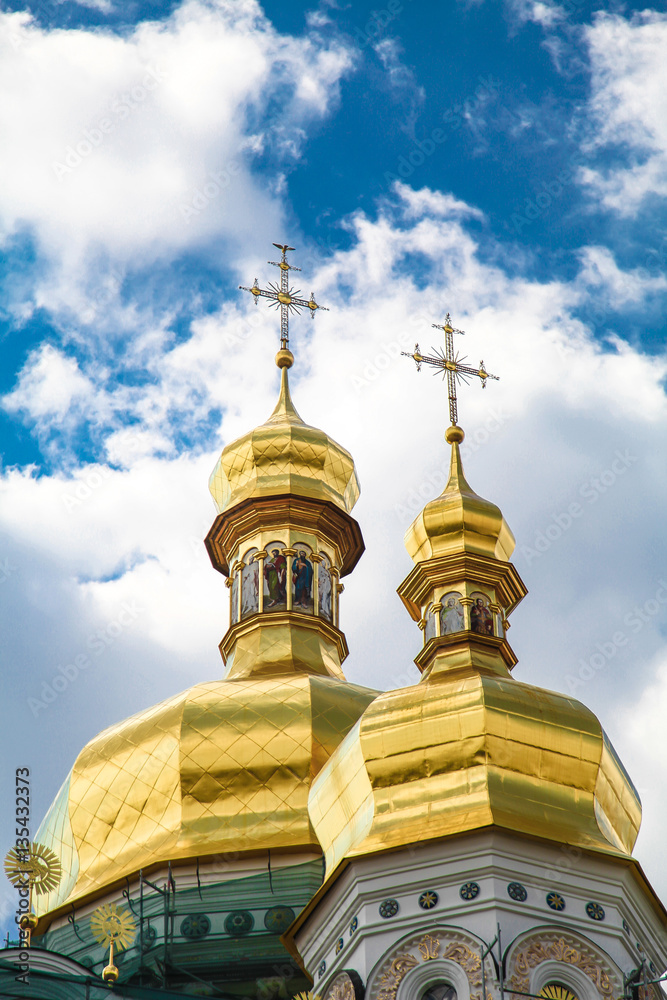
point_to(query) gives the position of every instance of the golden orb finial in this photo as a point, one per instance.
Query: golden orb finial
(454, 434)
(284, 358)
(110, 974)
(28, 921)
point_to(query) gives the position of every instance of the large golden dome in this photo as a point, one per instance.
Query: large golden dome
(284, 455)
(225, 766)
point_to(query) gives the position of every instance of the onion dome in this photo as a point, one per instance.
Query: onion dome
(225, 766)
(459, 520)
(284, 455)
(469, 747)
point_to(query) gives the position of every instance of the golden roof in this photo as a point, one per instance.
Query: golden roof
(225, 766)
(459, 520)
(465, 750)
(284, 455)
(469, 747)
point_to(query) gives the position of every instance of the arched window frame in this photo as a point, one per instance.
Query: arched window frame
(552, 971)
(428, 974)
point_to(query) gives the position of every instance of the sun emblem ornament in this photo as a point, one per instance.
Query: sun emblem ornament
(37, 869)
(37, 866)
(113, 926)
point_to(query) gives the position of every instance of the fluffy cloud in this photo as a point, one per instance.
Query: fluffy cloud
(629, 107)
(123, 148)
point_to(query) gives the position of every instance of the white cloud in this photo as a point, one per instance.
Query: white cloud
(124, 148)
(629, 108)
(50, 387)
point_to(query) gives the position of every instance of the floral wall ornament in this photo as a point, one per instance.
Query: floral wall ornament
(429, 947)
(432, 946)
(557, 947)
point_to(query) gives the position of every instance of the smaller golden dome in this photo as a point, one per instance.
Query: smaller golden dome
(459, 520)
(284, 455)
(469, 750)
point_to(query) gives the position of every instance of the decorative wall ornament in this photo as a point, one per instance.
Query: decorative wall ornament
(195, 926)
(429, 947)
(428, 899)
(433, 946)
(552, 946)
(555, 901)
(340, 944)
(390, 980)
(345, 986)
(354, 925)
(595, 911)
(517, 892)
(388, 908)
(469, 890)
(278, 919)
(239, 922)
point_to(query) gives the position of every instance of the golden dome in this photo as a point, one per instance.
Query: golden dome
(284, 455)
(459, 520)
(464, 750)
(225, 766)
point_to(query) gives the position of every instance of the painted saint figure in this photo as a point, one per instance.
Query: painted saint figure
(302, 578)
(481, 619)
(275, 574)
(250, 585)
(451, 614)
(324, 588)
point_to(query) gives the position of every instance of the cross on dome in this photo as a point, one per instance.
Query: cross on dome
(451, 365)
(282, 296)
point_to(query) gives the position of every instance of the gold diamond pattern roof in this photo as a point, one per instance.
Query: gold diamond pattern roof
(223, 767)
(460, 752)
(285, 455)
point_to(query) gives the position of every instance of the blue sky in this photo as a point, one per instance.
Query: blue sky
(503, 160)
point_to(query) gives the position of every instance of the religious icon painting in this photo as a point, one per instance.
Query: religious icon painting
(275, 577)
(324, 587)
(452, 618)
(250, 584)
(235, 597)
(302, 579)
(481, 617)
(429, 627)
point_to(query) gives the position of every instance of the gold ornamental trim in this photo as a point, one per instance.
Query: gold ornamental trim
(459, 640)
(289, 619)
(275, 513)
(435, 944)
(441, 570)
(566, 948)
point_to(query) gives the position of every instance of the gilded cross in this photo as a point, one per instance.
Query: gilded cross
(451, 365)
(282, 296)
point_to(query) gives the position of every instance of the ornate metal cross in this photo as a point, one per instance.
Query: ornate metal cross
(450, 364)
(284, 297)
